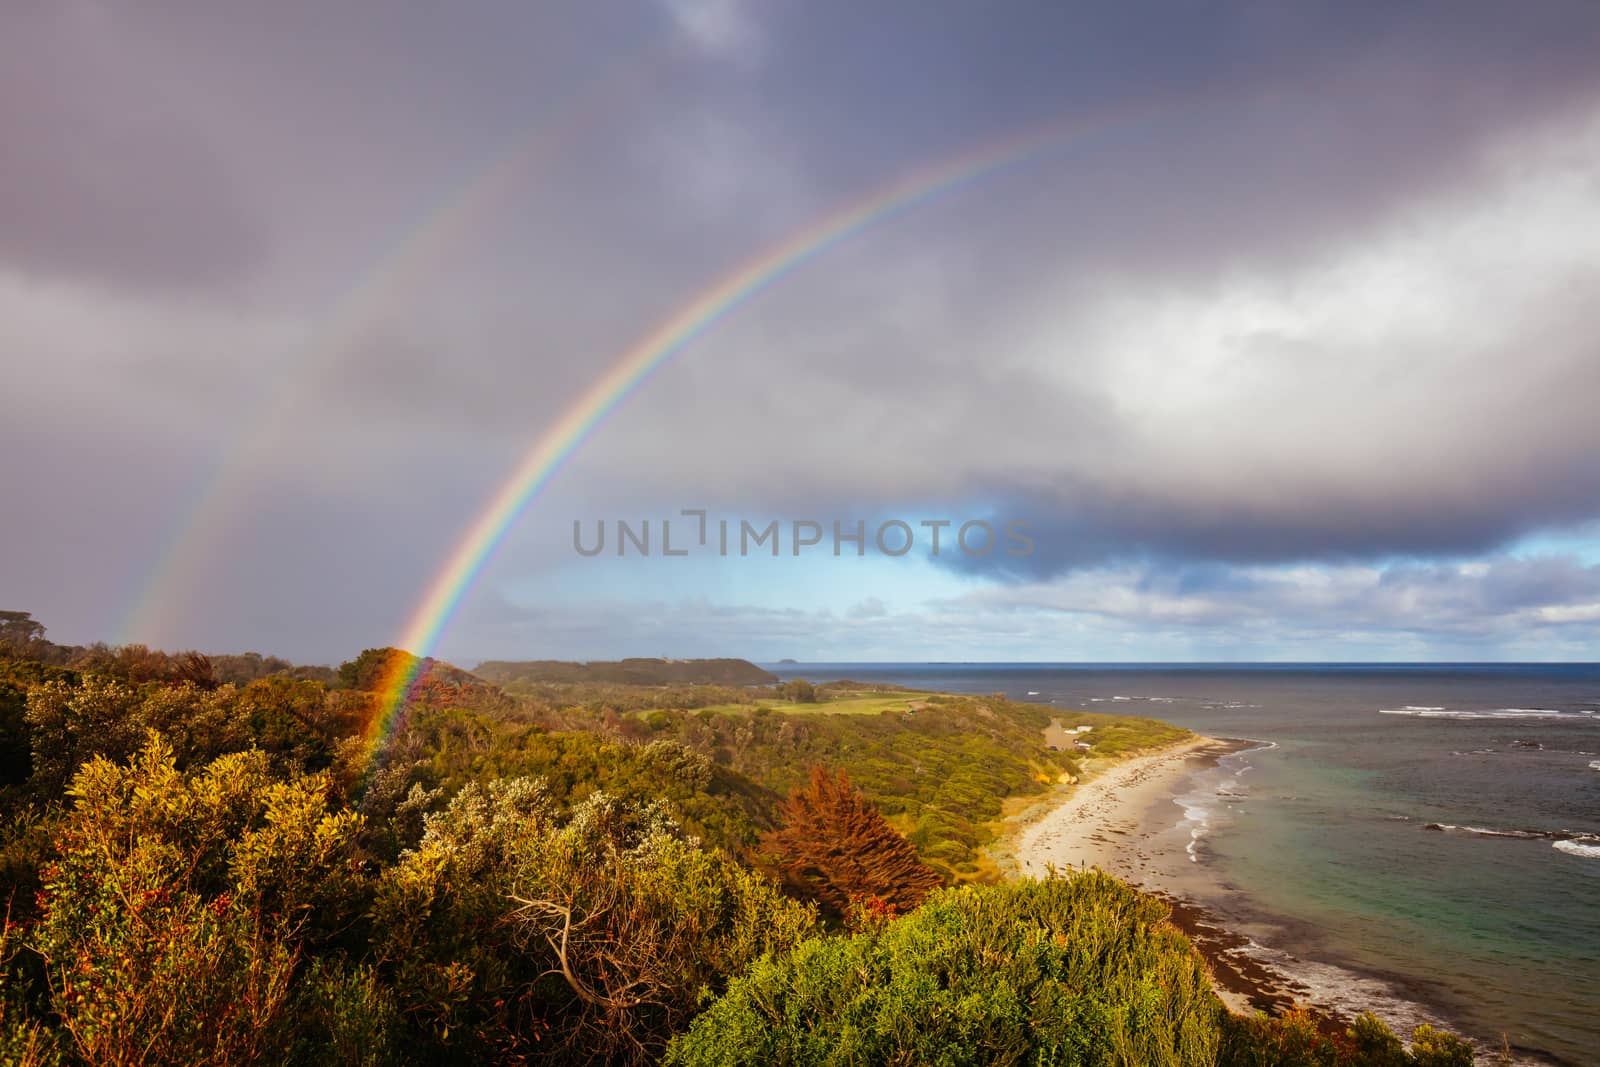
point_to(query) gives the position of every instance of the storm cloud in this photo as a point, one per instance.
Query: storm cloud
(1309, 339)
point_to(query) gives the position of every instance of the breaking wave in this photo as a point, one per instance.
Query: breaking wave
(1572, 842)
(1498, 713)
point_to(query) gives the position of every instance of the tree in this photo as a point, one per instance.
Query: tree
(799, 691)
(18, 631)
(377, 667)
(835, 848)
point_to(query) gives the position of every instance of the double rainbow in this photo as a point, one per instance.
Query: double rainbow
(671, 336)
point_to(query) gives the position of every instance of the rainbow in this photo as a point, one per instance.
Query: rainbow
(402, 271)
(670, 337)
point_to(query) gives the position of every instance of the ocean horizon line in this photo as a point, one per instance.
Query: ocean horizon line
(1230, 664)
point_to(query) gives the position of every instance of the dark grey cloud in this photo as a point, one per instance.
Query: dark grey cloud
(108, 174)
(1416, 390)
(1330, 304)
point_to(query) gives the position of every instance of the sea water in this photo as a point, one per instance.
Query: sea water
(1422, 838)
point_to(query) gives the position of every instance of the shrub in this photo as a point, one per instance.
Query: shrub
(586, 939)
(345, 1015)
(1298, 1038)
(1077, 970)
(172, 921)
(1435, 1048)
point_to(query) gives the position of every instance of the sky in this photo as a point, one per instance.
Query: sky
(1286, 348)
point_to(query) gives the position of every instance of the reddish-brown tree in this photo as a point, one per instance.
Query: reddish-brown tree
(835, 847)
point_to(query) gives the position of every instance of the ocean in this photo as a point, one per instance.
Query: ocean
(1425, 837)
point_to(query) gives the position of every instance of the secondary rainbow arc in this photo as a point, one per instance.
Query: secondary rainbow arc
(397, 275)
(671, 336)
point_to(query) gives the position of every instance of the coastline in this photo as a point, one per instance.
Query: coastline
(1109, 802)
(1097, 823)
(1131, 819)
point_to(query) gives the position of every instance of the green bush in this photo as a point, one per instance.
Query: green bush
(1080, 969)
(172, 919)
(514, 933)
(1300, 1039)
(941, 771)
(511, 892)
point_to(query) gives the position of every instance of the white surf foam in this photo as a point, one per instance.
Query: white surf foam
(1215, 795)
(1198, 816)
(1486, 832)
(1578, 848)
(1498, 713)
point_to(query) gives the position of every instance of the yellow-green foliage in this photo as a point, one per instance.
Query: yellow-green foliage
(1072, 970)
(69, 720)
(240, 886)
(709, 801)
(530, 935)
(173, 918)
(941, 767)
(226, 915)
(1078, 970)
(1300, 1039)
(1120, 735)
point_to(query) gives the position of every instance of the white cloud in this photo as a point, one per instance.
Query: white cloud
(1569, 613)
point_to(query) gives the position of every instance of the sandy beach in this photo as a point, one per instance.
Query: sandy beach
(1121, 819)
(1093, 825)
(1127, 818)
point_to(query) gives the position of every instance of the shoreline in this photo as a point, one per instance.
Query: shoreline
(1121, 818)
(1110, 800)
(1098, 821)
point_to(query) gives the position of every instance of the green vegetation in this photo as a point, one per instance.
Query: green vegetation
(204, 870)
(1120, 735)
(940, 767)
(1074, 970)
(1300, 1039)
(1077, 970)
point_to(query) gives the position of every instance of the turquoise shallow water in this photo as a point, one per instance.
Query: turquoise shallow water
(1434, 827)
